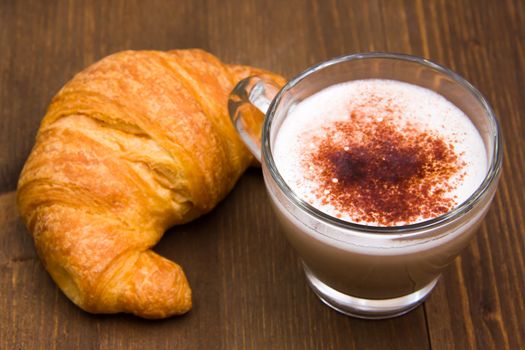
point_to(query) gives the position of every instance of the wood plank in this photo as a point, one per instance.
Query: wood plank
(479, 303)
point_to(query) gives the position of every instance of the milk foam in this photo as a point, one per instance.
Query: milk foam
(420, 107)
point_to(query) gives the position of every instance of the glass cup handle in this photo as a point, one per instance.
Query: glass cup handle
(251, 92)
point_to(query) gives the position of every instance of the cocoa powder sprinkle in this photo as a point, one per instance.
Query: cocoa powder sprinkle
(373, 170)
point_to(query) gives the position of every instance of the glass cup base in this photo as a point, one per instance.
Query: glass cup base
(373, 309)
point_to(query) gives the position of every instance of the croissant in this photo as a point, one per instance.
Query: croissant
(134, 144)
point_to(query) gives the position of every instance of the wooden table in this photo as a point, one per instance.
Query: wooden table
(248, 286)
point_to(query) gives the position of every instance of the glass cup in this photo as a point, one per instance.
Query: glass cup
(367, 271)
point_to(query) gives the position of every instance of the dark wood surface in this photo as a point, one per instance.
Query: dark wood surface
(249, 290)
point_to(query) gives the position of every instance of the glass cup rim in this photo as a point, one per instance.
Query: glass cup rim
(491, 175)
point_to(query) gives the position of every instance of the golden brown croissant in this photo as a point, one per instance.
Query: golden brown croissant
(134, 144)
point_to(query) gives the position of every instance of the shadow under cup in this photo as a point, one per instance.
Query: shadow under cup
(367, 271)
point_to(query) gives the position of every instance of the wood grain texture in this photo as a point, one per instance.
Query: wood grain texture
(249, 290)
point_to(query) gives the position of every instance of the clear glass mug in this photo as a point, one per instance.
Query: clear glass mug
(366, 271)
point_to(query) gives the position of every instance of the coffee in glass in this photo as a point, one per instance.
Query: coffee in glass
(380, 168)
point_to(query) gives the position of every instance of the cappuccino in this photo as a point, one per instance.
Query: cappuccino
(380, 153)
(378, 184)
